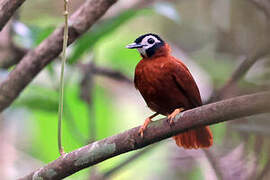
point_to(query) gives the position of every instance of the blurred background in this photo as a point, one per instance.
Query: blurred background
(212, 37)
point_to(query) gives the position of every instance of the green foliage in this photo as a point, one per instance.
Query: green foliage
(219, 131)
(36, 98)
(42, 34)
(88, 40)
(220, 73)
(116, 55)
(219, 68)
(195, 174)
(43, 104)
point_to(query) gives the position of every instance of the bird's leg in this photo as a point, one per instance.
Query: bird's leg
(145, 124)
(173, 114)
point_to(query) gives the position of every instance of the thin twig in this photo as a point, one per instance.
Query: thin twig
(61, 89)
(68, 115)
(113, 74)
(158, 130)
(105, 71)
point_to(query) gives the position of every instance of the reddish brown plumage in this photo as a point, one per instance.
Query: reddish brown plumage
(166, 84)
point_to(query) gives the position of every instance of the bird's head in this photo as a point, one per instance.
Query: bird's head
(149, 45)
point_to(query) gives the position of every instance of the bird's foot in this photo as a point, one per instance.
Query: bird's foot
(62, 152)
(173, 114)
(144, 126)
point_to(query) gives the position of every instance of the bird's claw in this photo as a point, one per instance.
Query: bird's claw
(141, 130)
(172, 116)
(62, 152)
(144, 126)
(170, 120)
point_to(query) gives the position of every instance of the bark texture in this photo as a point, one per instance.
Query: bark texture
(7, 9)
(130, 140)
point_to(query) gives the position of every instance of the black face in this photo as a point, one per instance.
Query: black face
(147, 44)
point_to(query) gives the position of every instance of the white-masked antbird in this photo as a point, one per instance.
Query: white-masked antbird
(168, 88)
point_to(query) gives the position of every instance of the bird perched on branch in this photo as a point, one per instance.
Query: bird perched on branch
(168, 88)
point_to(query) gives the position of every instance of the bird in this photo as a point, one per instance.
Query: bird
(168, 88)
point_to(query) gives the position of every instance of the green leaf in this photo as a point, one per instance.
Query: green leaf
(224, 66)
(88, 40)
(43, 34)
(112, 52)
(45, 134)
(39, 98)
(37, 35)
(196, 173)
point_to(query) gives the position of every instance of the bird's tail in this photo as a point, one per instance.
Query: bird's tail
(195, 138)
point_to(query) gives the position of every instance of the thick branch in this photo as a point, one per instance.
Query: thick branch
(7, 9)
(158, 130)
(34, 61)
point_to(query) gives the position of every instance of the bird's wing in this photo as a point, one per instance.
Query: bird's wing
(185, 83)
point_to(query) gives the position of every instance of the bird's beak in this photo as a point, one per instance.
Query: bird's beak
(134, 45)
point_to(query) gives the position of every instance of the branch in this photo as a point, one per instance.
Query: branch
(17, 54)
(62, 81)
(10, 53)
(7, 9)
(262, 5)
(111, 73)
(129, 140)
(34, 61)
(240, 71)
(102, 71)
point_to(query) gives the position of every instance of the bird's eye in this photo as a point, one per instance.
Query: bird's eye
(150, 40)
